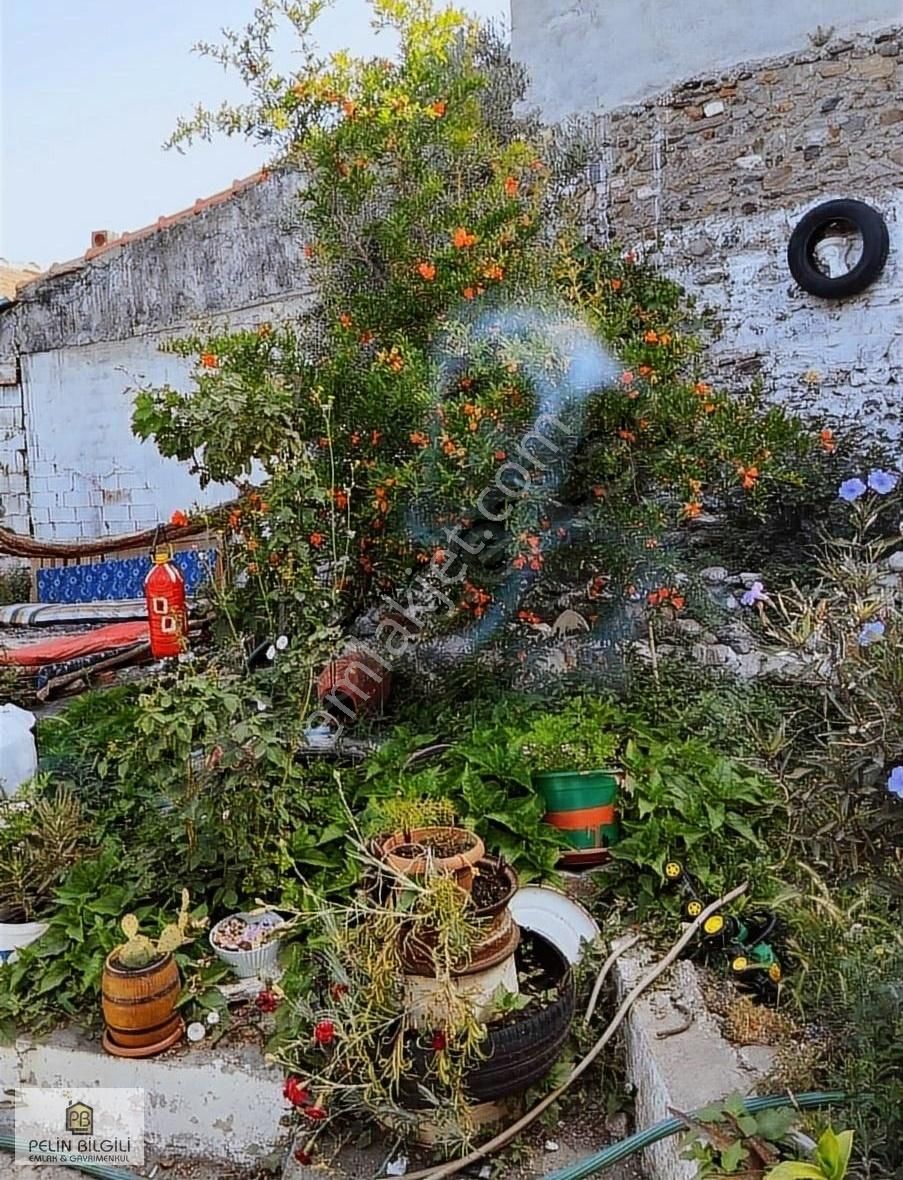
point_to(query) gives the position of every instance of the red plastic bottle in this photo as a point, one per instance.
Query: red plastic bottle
(167, 614)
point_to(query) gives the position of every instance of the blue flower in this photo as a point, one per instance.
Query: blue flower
(882, 482)
(756, 593)
(871, 633)
(851, 489)
(895, 782)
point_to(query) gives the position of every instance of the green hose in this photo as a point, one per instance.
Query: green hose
(8, 1143)
(615, 1152)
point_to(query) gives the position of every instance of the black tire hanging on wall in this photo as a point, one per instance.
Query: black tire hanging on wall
(803, 240)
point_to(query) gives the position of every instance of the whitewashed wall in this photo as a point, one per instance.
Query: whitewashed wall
(839, 362)
(88, 334)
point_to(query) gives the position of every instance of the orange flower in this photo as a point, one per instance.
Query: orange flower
(340, 499)
(375, 436)
(466, 382)
(709, 407)
(355, 438)
(678, 601)
(209, 360)
(615, 284)
(627, 377)
(511, 186)
(701, 389)
(642, 423)
(494, 271)
(179, 518)
(461, 239)
(264, 330)
(437, 109)
(366, 338)
(519, 562)
(345, 320)
(651, 337)
(468, 293)
(651, 543)
(308, 251)
(448, 447)
(391, 358)
(828, 444)
(349, 106)
(692, 509)
(528, 616)
(598, 491)
(427, 271)
(419, 439)
(500, 455)
(597, 586)
(665, 339)
(317, 539)
(627, 435)
(748, 476)
(645, 370)
(537, 165)
(535, 563)
(235, 520)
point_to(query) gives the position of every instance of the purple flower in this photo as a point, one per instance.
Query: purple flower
(895, 782)
(851, 489)
(871, 633)
(882, 482)
(756, 593)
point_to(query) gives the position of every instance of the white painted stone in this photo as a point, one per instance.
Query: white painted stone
(715, 107)
(749, 163)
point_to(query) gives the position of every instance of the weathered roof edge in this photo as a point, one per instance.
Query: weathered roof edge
(200, 206)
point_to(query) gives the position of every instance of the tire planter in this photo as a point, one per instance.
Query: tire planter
(139, 1007)
(811, 229)
(516, 1054)
(412, 863)
(581, 804)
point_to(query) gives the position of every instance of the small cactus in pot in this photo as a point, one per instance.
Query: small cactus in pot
(140, 951)
(141, 986)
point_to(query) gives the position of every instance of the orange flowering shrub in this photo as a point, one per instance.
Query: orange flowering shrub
(398, 409)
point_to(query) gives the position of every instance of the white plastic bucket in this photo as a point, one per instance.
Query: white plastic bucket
(15, 935)
(18, 755)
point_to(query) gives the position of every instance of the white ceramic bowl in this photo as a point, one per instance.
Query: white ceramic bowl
(263, 961)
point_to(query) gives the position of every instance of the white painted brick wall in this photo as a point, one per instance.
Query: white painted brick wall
(13, 482)
(836, 361)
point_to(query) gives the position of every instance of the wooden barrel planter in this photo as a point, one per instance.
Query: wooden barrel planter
(581, 804)
(139, 1007)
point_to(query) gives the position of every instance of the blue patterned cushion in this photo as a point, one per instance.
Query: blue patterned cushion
(116, 579)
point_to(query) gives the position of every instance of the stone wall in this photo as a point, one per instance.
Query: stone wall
(80, 338)
(589, 55)
(715, 174)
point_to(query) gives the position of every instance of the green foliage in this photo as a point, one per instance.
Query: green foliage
(42, 835)
(570, 740)
(727, 1139)
(831, 1160)
(15, 586)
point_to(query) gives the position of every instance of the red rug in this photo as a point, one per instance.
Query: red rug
(70, 647)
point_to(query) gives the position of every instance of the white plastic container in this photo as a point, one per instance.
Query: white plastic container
(15, 935)
(18, 755)
(260, 963)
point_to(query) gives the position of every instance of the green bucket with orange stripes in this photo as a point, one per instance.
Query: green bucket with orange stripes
(581, 804)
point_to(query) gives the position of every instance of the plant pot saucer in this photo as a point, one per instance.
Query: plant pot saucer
(584, 858)
(115, 1050)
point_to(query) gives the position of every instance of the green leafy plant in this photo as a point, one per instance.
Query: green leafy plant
(830, 1160)
(569, 740)
(41, 836)
(728, 1140)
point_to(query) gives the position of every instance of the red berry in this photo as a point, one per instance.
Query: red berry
(302, 1156)
(324, 1032)
(295, 1092)
(439, 1041)
(337, 990)
(317, 1113)
(267, 1001)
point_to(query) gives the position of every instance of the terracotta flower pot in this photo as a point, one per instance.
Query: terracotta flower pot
(452, 851)
(139, 1007)
(353, 685)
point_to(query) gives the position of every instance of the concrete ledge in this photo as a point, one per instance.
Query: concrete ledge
(200, 1101)
(689, 1069)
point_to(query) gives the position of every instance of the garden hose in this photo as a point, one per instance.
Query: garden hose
(102, 1171)
(591, 1165)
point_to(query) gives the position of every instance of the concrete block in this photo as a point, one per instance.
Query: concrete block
(67, 530)
(115, 514)
(685, 1071)
(217, 1104)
